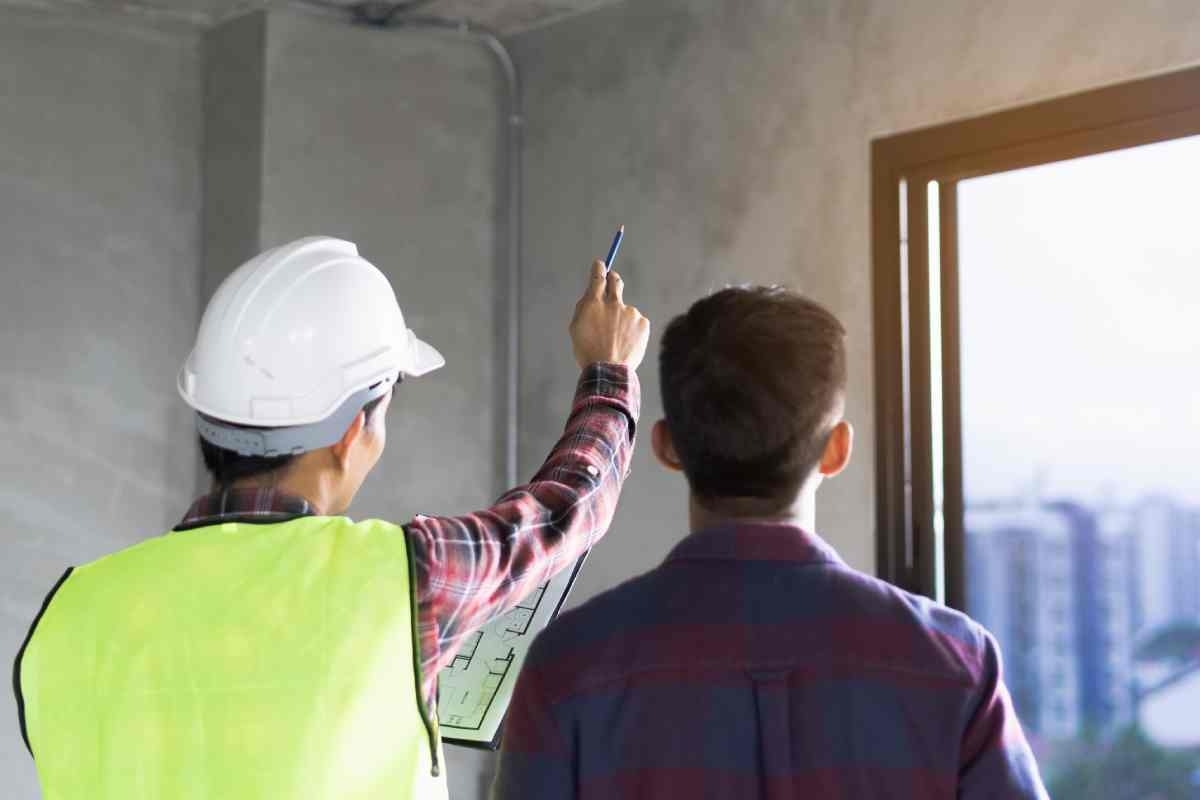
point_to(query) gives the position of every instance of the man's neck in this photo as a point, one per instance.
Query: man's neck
(306, 484)
(802, 512)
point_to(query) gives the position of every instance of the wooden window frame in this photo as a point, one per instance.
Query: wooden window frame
(1140, 112)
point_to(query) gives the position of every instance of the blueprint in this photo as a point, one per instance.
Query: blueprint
(475, 689)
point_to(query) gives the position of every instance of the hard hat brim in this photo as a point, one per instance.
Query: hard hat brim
(426, 359)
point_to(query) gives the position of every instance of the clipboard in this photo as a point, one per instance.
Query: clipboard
(475, 689)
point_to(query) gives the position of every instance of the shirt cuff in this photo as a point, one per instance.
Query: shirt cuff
(615, 385)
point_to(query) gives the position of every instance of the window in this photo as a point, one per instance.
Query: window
(1036, 275)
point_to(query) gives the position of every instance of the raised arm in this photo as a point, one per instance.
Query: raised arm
(472, 568)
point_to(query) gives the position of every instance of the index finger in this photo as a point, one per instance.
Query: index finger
(597, 281)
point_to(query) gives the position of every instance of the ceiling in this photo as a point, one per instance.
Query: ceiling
(510, 16)
(504, 16)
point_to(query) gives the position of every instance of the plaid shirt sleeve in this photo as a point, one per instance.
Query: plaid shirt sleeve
(996, 761)
(473, 568)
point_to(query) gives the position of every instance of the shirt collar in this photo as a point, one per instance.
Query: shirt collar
(245, 505)
(756, 541)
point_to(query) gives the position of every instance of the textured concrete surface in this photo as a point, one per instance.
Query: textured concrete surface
(235, 56)
(732, 137)
(397, 150)
(100, 221)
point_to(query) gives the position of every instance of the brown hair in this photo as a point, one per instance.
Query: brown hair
(751, 377)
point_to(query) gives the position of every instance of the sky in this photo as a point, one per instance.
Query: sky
(1080, 285)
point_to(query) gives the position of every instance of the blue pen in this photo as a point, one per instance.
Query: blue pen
(612, 251)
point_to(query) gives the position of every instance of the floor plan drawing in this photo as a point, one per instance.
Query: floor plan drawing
(517, 621)
(476, 687)
(466, 655)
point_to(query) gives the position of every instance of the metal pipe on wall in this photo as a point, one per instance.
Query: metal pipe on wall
(515, 128)
(385, 15)
(516, 125)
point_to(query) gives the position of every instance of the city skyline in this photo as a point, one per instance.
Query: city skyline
(1074, 593)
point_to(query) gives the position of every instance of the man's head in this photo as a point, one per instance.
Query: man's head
(297, 353)
(753, 387)
(334, 473)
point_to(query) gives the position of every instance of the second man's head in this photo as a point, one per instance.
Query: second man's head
(753, 388)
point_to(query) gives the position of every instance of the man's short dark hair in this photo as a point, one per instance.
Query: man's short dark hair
(751, 380)
(228, 467)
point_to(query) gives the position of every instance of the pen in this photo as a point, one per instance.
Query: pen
(612, 251)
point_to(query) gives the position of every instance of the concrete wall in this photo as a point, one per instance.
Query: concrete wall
(389, 139)
(732, 137)
(234, 97)
(100, 225)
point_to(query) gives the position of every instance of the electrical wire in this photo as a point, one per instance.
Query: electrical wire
(398, 16)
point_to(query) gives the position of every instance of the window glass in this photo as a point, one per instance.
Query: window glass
(1080, 309)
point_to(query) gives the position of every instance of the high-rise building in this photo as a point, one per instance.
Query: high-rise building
(1167, 563)
(1053, 581)
(1166, 595)
(1021, 586)
(1116, 586)
(1075, 595)
(1103, 621)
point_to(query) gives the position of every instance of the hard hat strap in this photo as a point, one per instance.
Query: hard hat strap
(272, 442)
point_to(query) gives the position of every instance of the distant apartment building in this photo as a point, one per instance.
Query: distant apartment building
(1119, 548)
(1167, 564)
(1070, 591)
(1021, 586)
(1166, 594)
(1104, 644)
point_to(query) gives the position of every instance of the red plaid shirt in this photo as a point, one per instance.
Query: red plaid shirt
(475, 567)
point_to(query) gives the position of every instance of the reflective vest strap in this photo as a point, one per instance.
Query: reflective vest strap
(427, 718)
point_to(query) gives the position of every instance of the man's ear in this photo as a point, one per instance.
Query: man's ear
(341, 448)
(664, 446)
(837, 450)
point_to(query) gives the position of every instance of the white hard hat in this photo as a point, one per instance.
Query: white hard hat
(289, 339)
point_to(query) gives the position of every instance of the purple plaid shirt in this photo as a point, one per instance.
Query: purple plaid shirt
(754, 663)
(473, 568)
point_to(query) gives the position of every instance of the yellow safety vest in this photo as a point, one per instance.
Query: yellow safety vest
(235, 661)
